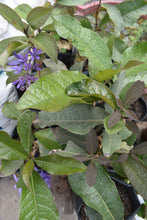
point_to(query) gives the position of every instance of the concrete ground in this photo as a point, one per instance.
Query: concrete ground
(9, 202)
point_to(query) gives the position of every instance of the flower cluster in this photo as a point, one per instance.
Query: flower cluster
(25, 63)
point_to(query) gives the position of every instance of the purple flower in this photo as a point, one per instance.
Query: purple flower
(23, 80)
(18, 69)
(20, 82)
(36, 67)
(30, 79)
(20, 59)
(45, 176)
(16, 178)
(35, 53)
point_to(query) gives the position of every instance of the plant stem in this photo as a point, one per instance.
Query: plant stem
(96, 15)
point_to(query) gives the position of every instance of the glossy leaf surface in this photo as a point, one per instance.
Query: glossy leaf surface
(39, 203)
(137, 174)
(110, 143)
(46, 43)
(11, 16)
(24, 129)
(47, 138)
(106, 74)
(101, 197)
(58, 165)
(78, 119)
(41, 95)
(91, 90)
(96, 51)
(11, 149)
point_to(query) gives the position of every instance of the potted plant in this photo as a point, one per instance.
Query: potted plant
(70, 123)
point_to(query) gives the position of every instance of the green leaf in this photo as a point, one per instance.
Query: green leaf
(103, 196)
(118, 47)
(59, 165)
(125, 133)
(110, 143)
(37, 16)
(132, 10)
(137, 73)
(4, 43)
(83, 118)
(88, 43)
(24, 129)
(41, 94)
(11, 16)
(63, 136)
(116, 17)
(16, 46)
(114, 129)
(54, 67)
(39, 203)
(136, 52)
(8, 167)
(106, 74)
(92, 214)
(47, 138)
(89, 88)
(23, 10)
(118, 85)
(46, 43)
(27, 172)
(71, 3)
(11, 149)
(10, 110)
(72, 147)
(137, 174)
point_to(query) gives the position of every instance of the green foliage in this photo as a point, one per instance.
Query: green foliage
(83, 118)
(60, 165)
(54, 97)
(38, 203)
(96, 51)
(85, 121)
(96, 197)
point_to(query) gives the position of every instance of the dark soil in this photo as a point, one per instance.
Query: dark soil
(125, 198)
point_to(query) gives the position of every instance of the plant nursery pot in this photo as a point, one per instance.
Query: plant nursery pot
(127, 194)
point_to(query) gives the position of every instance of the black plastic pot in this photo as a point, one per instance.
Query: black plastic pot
(129, 191)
